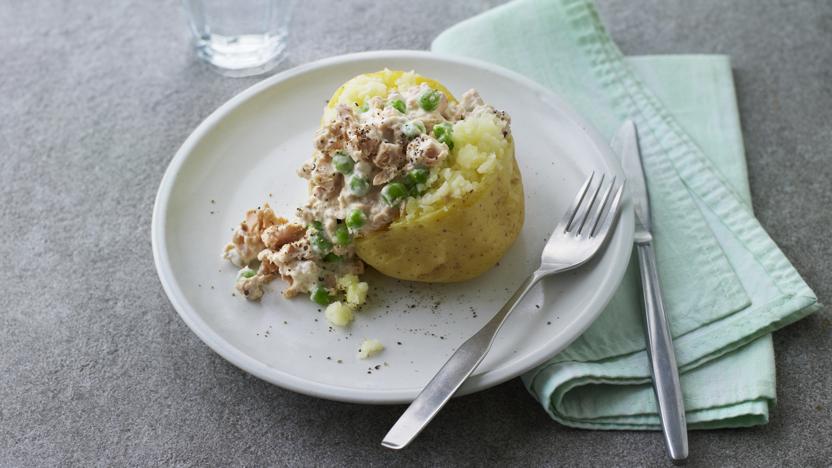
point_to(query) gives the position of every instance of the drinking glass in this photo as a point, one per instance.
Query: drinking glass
(240, 37)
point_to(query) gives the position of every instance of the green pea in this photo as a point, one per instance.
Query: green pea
(356, 219)
(359, 185)
(393, 193)
(444, 133)
(247, 272)
(399, 105)
(413, 128)
(417, 176)
(320, 243)
(331, 257)
(342, 235)
(364, 107)
(429, 100)
(321, 296)
(342, 162)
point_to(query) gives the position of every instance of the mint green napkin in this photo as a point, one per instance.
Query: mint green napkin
(726, 284)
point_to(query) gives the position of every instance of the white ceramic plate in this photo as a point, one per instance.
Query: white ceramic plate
(246, 153)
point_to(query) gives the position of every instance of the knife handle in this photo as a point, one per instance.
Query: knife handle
(662, 357)
(453, 374)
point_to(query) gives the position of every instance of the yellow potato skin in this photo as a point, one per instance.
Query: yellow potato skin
(457, 243)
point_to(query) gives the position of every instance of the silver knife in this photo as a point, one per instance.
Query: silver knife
(659, 343)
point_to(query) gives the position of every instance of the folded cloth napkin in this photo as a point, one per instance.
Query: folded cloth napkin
(726, 284)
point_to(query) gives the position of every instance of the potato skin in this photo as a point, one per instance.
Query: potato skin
(456, 244)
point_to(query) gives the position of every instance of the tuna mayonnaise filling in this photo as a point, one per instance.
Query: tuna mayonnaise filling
(368, 160)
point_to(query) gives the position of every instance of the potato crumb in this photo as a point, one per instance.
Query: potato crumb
(339, 314)
(370, 348)
(356, 291)
(346, 280)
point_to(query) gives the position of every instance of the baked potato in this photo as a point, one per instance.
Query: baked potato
(403, 177)
(473, 208)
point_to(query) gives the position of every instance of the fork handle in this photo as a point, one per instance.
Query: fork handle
(451, 376)
(662, 357)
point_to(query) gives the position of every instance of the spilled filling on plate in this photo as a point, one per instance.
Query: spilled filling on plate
(383, 153)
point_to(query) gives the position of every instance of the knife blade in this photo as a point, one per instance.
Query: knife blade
(627, 142)
(660, 351)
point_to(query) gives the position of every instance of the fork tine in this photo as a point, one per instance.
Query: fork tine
(564, 223)
(586, 207)
(615, 206)
(598, 210)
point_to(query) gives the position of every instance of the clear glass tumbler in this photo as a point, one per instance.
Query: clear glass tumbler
(240, 37)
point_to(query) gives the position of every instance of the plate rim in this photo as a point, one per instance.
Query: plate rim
(292, 382)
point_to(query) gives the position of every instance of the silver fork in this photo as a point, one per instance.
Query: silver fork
(577, 237)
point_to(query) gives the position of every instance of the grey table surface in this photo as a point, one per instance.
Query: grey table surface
(97, 368)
